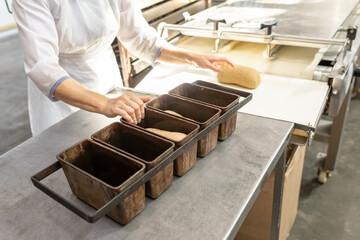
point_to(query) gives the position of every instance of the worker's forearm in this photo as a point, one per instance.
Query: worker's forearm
(127, 105)
(76, 95)
(176, 55)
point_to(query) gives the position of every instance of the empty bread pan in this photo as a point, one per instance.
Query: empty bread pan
(214, 98)
(158, 120)
(143, 146)
(97, 173)
(192, 111)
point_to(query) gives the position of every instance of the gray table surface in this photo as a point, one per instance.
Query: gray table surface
(208, 202)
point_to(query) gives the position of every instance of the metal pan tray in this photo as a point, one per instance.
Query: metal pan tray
(159, 120)
(93, 217)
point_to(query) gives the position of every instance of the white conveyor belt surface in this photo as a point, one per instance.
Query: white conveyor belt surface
(290, 99)
(290, 61)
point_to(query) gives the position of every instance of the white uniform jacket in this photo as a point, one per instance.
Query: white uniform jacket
(72, 38)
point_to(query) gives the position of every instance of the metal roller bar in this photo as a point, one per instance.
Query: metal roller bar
(281, 39)
(324, 41)
(164, 26)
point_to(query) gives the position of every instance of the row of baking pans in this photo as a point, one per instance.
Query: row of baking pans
(113, 171)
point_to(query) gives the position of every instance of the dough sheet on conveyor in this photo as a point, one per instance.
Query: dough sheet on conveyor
(291, 99)
(290, 61)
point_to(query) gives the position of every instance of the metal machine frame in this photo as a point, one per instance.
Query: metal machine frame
(336, 68)
(155, 12)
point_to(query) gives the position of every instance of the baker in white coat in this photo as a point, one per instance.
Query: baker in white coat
(68, 56)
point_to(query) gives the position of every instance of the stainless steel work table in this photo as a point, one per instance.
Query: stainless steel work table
(209, 202)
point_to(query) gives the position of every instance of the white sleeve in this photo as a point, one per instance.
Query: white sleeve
(136, 35)
(39, 38)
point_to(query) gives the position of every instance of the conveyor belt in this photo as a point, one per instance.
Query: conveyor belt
(290, 61)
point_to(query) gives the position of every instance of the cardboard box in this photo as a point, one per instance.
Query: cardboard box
(257, 225)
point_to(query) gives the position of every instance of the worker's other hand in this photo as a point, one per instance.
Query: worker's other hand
(212, 62)
(127, 106)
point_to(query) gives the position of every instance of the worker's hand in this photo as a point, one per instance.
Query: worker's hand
(127, 106)
(212, 62)
(172, 54)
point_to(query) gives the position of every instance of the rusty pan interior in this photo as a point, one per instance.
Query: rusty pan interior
(220, 88)
(100, 162)
(201, 114)
(134, 142)
(162, 121)
(210, 96)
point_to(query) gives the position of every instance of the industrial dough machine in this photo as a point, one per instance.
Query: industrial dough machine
(306, 52)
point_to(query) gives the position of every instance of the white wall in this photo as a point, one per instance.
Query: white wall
(5, 17)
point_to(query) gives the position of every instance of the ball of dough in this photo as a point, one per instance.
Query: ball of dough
(173, 113)
(175, 136)
(240, 75)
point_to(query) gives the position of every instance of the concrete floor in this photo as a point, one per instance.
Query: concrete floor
(14, 118)
(332, 210)
(329, 211)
